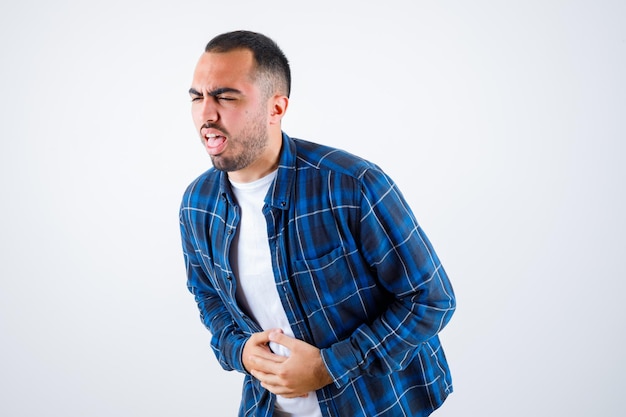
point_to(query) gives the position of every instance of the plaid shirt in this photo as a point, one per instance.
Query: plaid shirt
(355, 273)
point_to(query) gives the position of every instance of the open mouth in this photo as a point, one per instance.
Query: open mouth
(215, 143)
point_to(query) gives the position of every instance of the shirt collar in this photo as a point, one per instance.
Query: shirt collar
(280, 190)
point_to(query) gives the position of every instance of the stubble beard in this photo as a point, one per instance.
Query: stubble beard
(245, 148)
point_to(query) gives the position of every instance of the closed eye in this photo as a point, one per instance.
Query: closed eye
(195, 94)
(219, 94)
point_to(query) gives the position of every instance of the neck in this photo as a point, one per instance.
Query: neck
(264, 165)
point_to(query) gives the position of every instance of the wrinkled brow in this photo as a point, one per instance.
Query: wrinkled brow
(216, 92)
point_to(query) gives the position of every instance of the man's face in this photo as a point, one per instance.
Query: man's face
(229, 110)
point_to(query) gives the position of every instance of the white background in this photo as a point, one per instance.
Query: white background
(503, 122)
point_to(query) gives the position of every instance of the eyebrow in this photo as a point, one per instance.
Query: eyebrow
(216, 92)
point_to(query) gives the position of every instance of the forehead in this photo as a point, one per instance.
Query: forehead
(224, 69)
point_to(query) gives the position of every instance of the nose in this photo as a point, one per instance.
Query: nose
(208, 110)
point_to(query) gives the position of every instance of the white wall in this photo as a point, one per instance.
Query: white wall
(502, 122)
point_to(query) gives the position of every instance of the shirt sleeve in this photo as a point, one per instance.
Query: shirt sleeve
(227, 341)
(406, 265)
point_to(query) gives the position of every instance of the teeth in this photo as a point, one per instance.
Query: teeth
(211, 135)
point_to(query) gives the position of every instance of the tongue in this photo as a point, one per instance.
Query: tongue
(215, 145)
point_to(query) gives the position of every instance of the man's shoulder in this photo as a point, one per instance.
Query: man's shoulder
(327, 158)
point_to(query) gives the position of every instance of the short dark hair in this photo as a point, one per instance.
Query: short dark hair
(270, 60)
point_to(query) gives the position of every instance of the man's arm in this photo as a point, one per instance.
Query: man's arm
(227, 340)
(407, 267)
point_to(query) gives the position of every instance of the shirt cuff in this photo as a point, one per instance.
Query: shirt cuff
(341, 362)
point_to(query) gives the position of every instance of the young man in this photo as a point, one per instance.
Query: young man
(308, 267)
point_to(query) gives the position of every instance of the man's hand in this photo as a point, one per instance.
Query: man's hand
(258, 346)
(289, 376)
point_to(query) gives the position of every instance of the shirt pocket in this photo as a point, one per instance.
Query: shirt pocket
(338, 293)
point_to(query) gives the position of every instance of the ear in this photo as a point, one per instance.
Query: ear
(278, 106)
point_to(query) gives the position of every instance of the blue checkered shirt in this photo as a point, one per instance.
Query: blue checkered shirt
(356, 274)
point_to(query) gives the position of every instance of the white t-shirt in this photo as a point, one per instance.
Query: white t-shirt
(256, 288)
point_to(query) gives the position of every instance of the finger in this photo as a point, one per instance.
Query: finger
(276, 385)
(268, 363)
(282, 339)
(261, 337)
(288, 394)
(283, 391)
(270, 382)
(259, 358)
